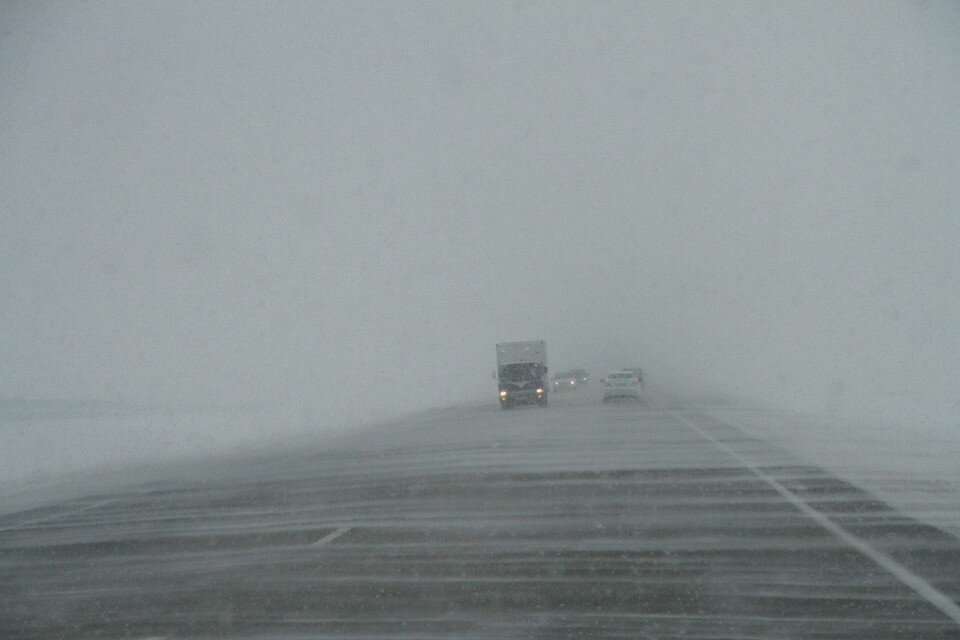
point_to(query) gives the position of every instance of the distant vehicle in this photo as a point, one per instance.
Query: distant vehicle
(621, 384)
(581, 375)
(638, 371)
(522, 373)
(564, 381)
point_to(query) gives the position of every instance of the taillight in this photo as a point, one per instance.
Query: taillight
(606, 383)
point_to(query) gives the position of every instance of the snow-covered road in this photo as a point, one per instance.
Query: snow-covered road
(578, 520)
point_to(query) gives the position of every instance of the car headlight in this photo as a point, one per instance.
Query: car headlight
(503, 393)
(539, 390)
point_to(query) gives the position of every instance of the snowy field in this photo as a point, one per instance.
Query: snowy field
(51, 452)
(34, 449)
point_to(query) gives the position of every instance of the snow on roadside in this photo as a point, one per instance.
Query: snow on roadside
(52, 453)
(913, 463)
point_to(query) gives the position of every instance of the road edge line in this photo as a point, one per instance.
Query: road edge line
(66, 514)
(921, 587)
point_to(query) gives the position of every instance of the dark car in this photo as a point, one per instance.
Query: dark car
(564, 381)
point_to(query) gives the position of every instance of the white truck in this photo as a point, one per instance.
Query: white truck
(522, 373)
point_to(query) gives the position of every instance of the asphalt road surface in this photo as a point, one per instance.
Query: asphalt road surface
(579, 520)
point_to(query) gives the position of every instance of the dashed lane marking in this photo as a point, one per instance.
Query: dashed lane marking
(330, 537)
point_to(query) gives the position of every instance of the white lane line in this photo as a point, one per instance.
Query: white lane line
(924, 589)
(65, 514)
(330, 537)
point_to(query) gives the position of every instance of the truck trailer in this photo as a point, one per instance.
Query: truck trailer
(522, 373)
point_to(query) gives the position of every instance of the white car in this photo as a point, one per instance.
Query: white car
(621, 384)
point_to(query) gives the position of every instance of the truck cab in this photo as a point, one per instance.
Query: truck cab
(522, 373)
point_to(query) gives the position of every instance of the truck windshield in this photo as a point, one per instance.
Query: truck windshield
(520, 371)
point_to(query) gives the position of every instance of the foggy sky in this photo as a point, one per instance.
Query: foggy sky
(343, 207)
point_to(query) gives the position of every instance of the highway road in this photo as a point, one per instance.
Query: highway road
(579, 520)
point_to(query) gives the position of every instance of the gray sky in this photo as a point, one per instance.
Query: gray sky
(224, 201)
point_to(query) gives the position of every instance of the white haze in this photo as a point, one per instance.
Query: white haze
(339, 208)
